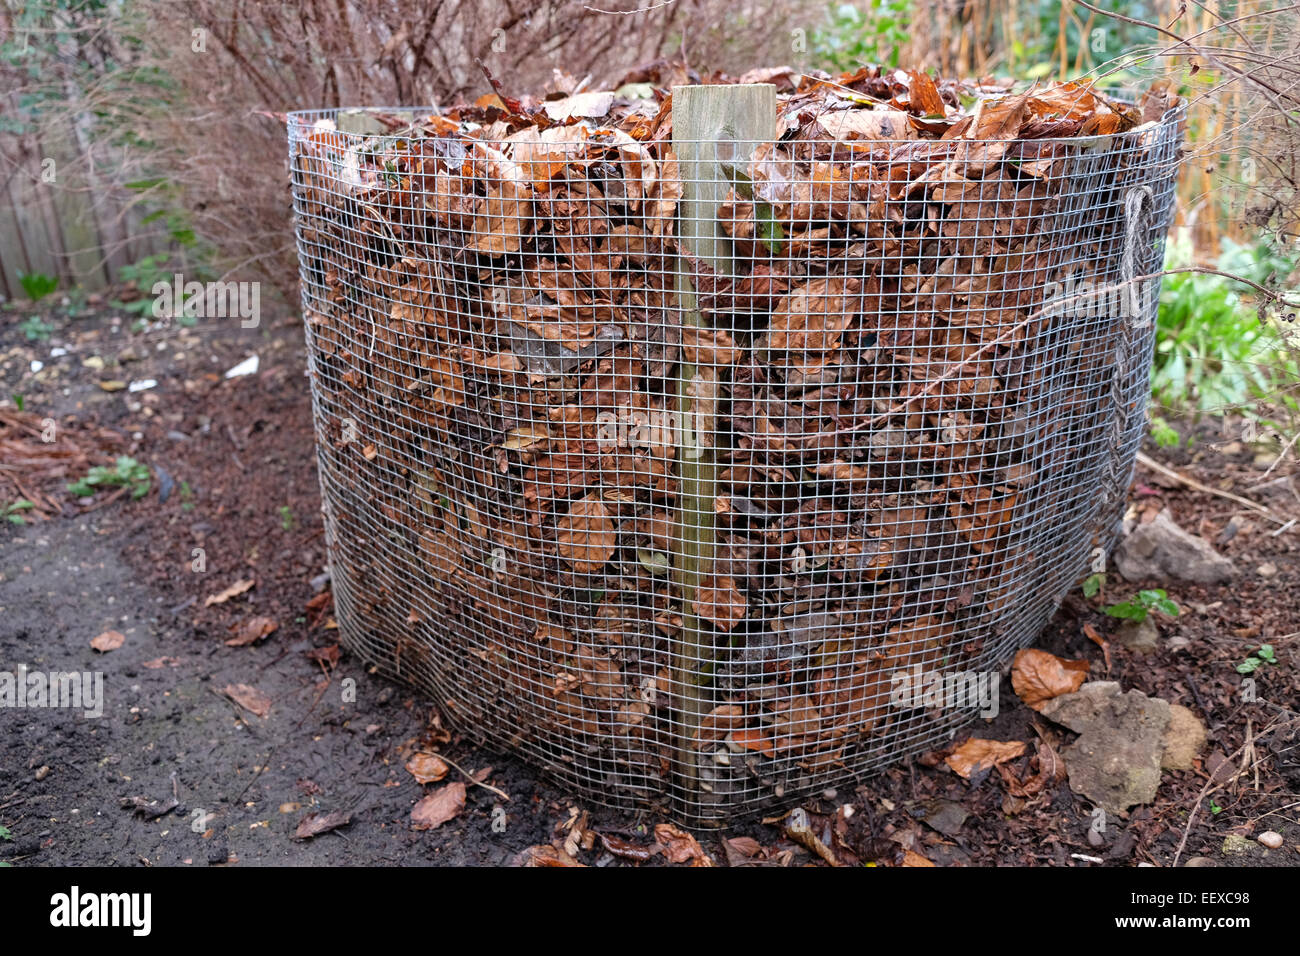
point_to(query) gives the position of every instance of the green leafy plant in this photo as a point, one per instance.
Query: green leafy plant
(1140, 606)
(37, 285)
(874, 32)
(1093, 584)
(126, 473)
(5, 833)
(144, 274)
(1212, 351)
(35, 328)
(1257, 659)
(1163, 434)
(20, 401)
(286, 518)
(13, 512)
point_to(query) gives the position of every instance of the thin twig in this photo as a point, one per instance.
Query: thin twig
(1198, 486)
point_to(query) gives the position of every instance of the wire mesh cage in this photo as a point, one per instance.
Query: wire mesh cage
(706, 472)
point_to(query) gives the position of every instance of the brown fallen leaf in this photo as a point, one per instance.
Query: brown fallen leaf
(586, 538)
(912, 858)
(437, 808)
(1049, 769)
(108, 641)
(680, 847)
(249, 698)
(427, 768)
(251, 631)
(626, 849)
(740, 850)
(1100, 641)
(546, 855)
(239, 587)
(976, 753)
(315, 823)
(719, 601)
(798, 827)
(1037, 676)
(160, 662)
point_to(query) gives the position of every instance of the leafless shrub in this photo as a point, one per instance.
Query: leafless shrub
(236, 65)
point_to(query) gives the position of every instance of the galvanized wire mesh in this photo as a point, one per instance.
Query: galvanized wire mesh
(678, 535)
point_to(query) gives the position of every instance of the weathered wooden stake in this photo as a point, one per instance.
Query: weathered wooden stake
(714, 127)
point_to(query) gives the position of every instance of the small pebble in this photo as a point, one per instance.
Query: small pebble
(1266, 570)
(43, 772)
(1270, 839)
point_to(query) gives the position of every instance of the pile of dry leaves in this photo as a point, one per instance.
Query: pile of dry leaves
(892, 422)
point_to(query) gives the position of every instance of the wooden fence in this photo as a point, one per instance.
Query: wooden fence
(58, 218)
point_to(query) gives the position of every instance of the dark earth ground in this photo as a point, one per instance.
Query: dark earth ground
(236, 459)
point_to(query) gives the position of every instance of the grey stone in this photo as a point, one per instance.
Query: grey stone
(1140, 637)
(1115, 763)
(1200, 861)
(1162, 550)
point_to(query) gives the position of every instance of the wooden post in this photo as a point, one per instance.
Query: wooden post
(712, 126)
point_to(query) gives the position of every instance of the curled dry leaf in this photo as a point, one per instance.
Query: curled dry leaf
(251, 631)
(239, 587)
(1037, 676)
(720, 602)
(976, 754)
(314, 823)
(437, 808)
(680, 847)
(547, 855)
(108, 641)
(249, 698)
(427, 768)
(912, 858)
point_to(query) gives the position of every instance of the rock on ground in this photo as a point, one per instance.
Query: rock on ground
(1184, 739)
(1115, 763)
(1161, 549)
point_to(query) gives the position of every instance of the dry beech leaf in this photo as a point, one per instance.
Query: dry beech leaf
(586, 536)
(547, 855)
(976, 753)
(251, 631)
(427, 768)
(680, 847)
(867, 124)
(314, 824)
(720, 602)
(108, 641)
(437, 808)
(239, 587)
(592, 105)
(249, 698)
(1037, 676)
